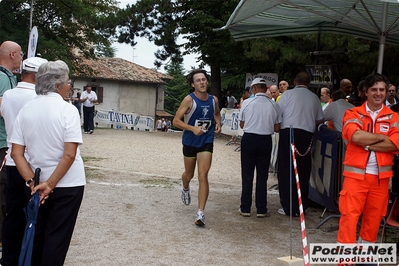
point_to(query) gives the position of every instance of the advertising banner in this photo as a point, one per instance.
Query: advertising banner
(271, 78)
(129, 120)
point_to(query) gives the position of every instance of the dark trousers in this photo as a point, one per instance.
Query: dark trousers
(395, 178)
(255, 153)
(3, 180)
(55, 224)
(17, 197)
(302, 140)
(88, 118)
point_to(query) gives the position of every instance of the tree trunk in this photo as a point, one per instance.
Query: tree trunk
(216, 82)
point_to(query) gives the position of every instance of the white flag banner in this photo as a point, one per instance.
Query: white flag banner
(34, 36)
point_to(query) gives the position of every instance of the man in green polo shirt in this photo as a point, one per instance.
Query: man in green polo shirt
(11, 56)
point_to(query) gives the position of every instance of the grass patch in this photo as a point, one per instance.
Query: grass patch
(159, 182)
(91, 173)
(392, 235)
(91, 159)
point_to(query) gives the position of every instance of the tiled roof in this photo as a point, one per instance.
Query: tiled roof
(163, 113)
(118, 69)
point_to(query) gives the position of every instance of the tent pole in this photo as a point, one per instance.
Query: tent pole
(382, 38)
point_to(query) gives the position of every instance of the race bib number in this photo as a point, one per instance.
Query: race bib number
(205, 124)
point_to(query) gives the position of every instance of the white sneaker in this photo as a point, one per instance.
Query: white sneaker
(245, 214)
(185, 196)
(200, 219)
(281, 211)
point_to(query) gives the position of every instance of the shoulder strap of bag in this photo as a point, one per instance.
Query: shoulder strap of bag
(2, 69)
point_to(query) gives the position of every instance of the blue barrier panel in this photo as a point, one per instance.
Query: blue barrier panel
(325, 179)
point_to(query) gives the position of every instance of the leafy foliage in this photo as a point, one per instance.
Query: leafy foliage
(163, 21)
(90, 26)
(176, 89)
(67, 28)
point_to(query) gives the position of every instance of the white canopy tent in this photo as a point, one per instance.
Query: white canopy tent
(375, 20)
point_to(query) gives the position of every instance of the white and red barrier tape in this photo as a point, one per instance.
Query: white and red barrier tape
(301, 214)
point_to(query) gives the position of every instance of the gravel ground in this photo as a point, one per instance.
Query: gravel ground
(132, 213)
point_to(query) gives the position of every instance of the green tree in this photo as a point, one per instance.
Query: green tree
(102, 50)
(163, 21)
(176, 89)
(287, 55)
(67, 29)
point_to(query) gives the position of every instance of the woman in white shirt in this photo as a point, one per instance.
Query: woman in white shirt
(49, 129)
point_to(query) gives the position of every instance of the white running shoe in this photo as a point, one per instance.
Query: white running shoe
(185, 196)
(200, 219)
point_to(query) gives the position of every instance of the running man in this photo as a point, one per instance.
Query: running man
(201, 115)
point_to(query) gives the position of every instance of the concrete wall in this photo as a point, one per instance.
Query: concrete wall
(126, 97)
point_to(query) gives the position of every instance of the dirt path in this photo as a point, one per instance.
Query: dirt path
(132, 213)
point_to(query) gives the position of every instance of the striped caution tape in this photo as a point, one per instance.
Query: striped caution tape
(301, 214)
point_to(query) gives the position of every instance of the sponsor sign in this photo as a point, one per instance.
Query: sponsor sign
(119, 120)
(271, 78)
(370, 253)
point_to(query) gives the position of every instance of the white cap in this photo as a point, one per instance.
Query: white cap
(258, 81)
(32, 64)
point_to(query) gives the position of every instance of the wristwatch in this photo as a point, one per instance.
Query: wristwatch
(27, 183)
(367, 148)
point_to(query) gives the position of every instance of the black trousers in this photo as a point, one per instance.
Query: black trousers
(55, 225)
(17, 197)
(255, 153)
(3, 181)
(302, 141)
(88, 118)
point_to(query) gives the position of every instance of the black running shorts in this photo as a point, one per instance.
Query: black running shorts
(191, 152)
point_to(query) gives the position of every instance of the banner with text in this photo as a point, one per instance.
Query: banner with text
(270, 78)
(230, 123)
(130, 120)
(326, 162)
(352, 254)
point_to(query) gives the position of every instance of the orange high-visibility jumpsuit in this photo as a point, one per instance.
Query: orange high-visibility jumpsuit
(365, 193)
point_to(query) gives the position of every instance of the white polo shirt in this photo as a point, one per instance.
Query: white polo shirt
(372, 165)
(44, 125)
(260, 114)
(92, 97)
(12, 101)
(301, 109)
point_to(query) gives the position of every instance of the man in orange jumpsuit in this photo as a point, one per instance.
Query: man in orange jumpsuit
(371, 135)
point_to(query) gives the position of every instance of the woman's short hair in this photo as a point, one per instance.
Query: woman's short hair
(50, 74)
